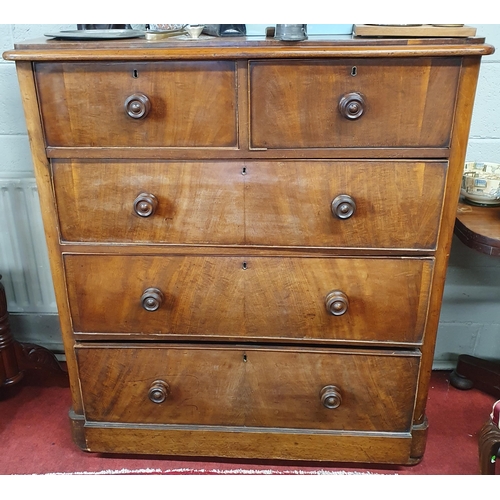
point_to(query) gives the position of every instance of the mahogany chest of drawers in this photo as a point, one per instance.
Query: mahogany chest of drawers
(249, 239)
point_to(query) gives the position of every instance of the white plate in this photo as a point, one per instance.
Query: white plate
(480, 200)
(96, 34)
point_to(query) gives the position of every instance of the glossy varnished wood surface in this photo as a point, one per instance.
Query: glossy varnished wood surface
(269, 287)
(247, 386)
(479, 228)
(461, 128)
(198, 202)
(286, 203)
(295, 104)
(398, 204)
(193, 104)
(260, 297)
(263, 443)
(243, 48)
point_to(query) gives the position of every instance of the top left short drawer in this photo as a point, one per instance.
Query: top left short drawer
(138, 104)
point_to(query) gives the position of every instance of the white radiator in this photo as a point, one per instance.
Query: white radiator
(24, 263)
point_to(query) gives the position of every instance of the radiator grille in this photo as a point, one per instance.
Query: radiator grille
(24, 263)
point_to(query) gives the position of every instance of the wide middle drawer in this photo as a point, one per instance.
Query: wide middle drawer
(271, 298)
(353, 204)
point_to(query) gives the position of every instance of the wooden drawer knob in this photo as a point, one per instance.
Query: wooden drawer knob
(159, 391)
(343, 206)
(145, 205)
(137, 106)
(152, 299)
(330, 397)
(337, 303)
(352, 105)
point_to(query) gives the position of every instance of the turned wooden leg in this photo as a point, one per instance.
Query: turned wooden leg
(16, 357)
(489, 445)
(9, 368)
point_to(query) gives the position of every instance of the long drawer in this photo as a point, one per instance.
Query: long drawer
(249, 386)
(349, 204)
(138, 103)
(268, 298)
(353, 103)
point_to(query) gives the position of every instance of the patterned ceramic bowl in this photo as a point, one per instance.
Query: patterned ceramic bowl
(166, 27)
(481, 183)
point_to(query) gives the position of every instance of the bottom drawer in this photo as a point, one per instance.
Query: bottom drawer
(304, 388)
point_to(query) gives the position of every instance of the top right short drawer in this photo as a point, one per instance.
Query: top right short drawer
(353, 103)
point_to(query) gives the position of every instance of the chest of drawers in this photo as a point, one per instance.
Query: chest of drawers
(249, 239)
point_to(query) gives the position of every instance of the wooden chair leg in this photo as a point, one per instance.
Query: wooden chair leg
(489, 446)
(16, 357)
(9, 368)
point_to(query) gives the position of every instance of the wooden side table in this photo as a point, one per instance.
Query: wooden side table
(479, 228)
(16, 357)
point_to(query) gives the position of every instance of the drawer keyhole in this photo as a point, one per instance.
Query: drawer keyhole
(354, 71)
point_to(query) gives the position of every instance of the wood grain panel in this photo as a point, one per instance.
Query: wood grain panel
(242, 442)
(259, 297)
(245, 386)
(241, 264)
(398, 204)
(408, 102)
(198, 202)
(281, 203)
(193, 104)
(249, 47)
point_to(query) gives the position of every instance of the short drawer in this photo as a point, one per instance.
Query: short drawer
(249, 386)
(260, 298)
(353, 103)
(346, 204)
(138, 104)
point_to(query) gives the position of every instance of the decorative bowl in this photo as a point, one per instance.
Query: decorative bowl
(481, 183)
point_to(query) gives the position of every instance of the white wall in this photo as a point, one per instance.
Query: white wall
(470, 320)
(470, 317)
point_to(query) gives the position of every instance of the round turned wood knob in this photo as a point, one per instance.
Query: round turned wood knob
(352, 105)
(330, 397)
(337, 303)
(137, 106)
(145, 205)
(343, 206)
(152, 299)
(158, 391)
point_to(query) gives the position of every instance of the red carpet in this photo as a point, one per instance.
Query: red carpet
(35, 439)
